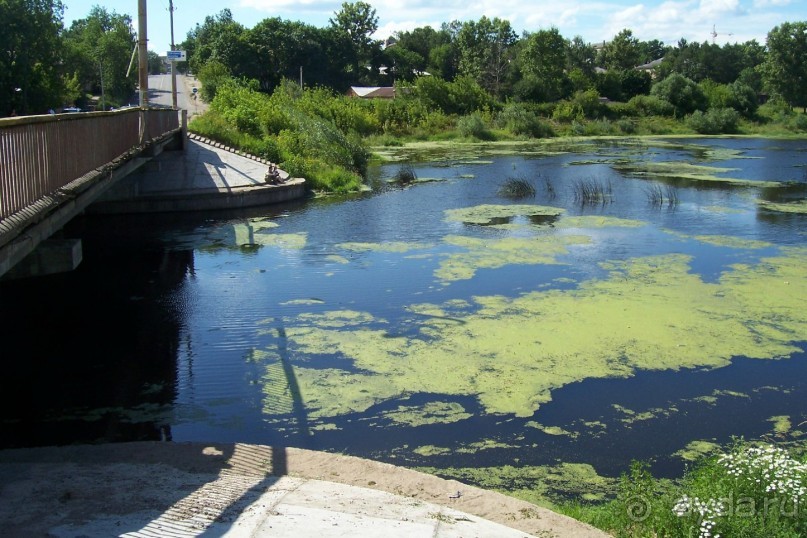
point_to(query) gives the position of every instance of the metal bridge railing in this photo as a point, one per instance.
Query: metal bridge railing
(40, 154)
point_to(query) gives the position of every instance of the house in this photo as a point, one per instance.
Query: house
(372, 92)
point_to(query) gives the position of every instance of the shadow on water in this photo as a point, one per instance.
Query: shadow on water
(90, 370)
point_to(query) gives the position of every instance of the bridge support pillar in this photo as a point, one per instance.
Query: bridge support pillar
(51, 256)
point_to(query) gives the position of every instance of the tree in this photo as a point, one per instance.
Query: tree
(581, 55)
(155, 63)
(484, 52)
(281, 49)
(543, 59)
(785, 70)
(30, 54)
(99, 50)
(683, 93)
(620, 53)
(220, 38)
(433, 49)
(355, 23)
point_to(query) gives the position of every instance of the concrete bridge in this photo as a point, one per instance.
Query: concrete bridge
(55, 167)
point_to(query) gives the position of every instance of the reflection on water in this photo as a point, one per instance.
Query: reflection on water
(435, 323)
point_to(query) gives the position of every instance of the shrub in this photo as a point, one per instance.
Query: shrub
(521, 121)
(568, 112)
(650, 105)
(714, 121)
(682, 93)
(590, 104)
(626, 126)
(799, 122)
(472, 125)
(751, 490)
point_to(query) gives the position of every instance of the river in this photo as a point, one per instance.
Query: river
(647, 302)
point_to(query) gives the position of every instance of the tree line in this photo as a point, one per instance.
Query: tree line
(46, 66)
(540, 66)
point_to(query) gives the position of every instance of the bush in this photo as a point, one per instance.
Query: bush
(751, 490)
(473, 126)
(714, 121)
(650, 105)
(521, 121)
(626, 126)
(682, 93)
(567, 112)
(799, 122)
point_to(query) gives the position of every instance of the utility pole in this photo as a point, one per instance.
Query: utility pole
(173, 62)
(142, 54)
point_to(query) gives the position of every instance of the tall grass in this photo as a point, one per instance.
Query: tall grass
(517, 187)
(405, 174)
(592, 191)
(659, 196)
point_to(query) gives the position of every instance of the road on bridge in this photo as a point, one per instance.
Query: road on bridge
(160, 93)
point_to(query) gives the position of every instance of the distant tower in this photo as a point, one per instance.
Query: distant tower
(714, 34)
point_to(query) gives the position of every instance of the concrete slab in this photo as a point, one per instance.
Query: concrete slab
(165, 489)
(205, 176)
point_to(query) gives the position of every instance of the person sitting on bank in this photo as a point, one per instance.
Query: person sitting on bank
(273, 175)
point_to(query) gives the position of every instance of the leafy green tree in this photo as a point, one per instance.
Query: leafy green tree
(785, 70)
(355, 24)
(621, 53)
(30, 55)
(699, 61)
(404, 64)
(155, 63)
(219, 38)
(651, 50)
(282, 49)
(543, 58)
(429, 44)
(484, 52)
(212, 75)
(581, 55)
(682, 93)
(99, 50)
(633, 82)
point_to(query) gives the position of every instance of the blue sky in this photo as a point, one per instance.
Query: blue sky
(595, 21)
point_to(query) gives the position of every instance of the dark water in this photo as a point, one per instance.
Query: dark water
(153, 336)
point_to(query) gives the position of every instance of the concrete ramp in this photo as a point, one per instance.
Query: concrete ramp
(205, 176)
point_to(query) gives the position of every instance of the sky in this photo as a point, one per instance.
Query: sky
(734, 21)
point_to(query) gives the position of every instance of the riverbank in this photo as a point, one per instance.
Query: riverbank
(192, 489)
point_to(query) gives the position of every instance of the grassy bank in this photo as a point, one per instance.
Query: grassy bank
(750, 489)
(325, 137)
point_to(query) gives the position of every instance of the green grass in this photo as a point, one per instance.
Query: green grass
(750, 490)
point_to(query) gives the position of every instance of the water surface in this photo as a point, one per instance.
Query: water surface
(439, 324)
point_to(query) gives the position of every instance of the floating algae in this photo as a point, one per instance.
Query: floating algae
(294, 241)
(781, 424)
(542, 485)
(549, 430)
(511, 353)
(687, 171)
(392, 246)
(732, 242)
(597, 221)
(789, 207)
(492, 213)
(696, 450)
(430, 413)
(495, 253)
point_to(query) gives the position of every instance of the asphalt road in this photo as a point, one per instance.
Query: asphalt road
(160, 93)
